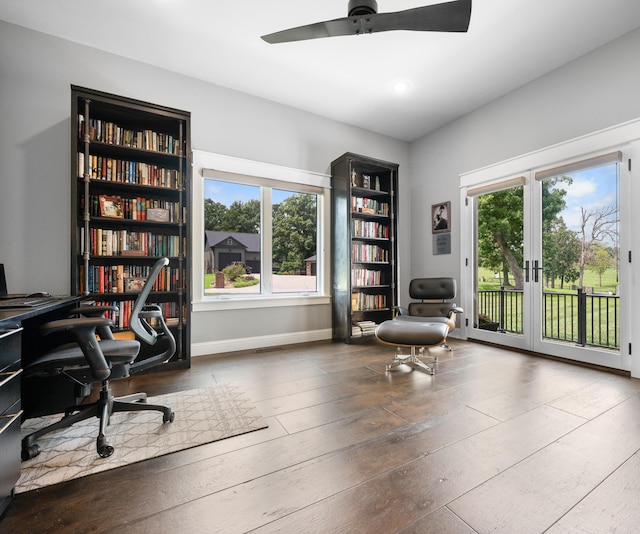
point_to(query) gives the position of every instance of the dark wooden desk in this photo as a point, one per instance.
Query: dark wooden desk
(19, 343)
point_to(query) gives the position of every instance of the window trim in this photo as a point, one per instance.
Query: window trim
(210, 165)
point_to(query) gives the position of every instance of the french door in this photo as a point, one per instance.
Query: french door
(544, 260)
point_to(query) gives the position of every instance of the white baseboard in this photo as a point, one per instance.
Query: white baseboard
(258, 342)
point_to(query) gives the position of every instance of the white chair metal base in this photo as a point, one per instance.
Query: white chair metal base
(413, 359)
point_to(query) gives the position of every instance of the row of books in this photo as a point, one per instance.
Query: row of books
(365, 277)
(363, 328)
(121, 317)
(135, 209)
(127, 279)
(369, 205)
(109, 132)
(364, 302)
(129, 172)
(106, 242)
(369, 229)
(369, 253)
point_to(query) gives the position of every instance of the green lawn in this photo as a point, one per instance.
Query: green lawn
(561, 322)
(591, 279)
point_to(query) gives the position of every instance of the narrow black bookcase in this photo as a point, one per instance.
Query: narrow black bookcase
(364, 245)
(130, 203)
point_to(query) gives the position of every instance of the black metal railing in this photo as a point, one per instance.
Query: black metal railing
(575, 317)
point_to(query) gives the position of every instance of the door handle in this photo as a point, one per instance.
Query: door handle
(526, 271)
(535, 270)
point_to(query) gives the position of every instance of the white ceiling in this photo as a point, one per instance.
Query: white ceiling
(349, 79)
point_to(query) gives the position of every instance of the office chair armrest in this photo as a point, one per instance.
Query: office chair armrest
(93, 311)
(75, 324)
(400, 310)
(103, 331)
(84, 332)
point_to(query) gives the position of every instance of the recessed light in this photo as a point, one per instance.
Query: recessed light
(401, 86)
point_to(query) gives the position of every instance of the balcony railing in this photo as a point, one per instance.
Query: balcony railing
(576, 317)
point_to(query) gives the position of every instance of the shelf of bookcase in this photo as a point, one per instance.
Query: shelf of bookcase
(109, 221)
(147, 172)
(130, 258)
(371, 211)
(364, 192)
(129, 152)
(369, 216)
(128, 295)
(96, 183)
(383, 286)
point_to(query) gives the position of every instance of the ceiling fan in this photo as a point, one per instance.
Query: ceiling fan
(364, 18)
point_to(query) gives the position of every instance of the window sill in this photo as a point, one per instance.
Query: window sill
(256, 301)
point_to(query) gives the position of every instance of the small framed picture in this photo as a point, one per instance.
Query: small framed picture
(366, 181)
(158, 214)
(441, 217)
(134, 284)
(111, 207)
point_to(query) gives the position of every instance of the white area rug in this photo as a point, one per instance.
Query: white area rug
(201, 416)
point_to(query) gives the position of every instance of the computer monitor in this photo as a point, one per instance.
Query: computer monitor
(3, 281)
(4, 294)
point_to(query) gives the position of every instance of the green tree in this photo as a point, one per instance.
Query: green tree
(242, 217)
(214, 214)
(500, 221)
(294, 231)
(560, 253)
(601, 259)
(500, 227)
(596, 226)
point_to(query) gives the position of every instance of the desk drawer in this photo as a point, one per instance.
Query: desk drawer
(10, 457)
(9, 390)
(10, 349)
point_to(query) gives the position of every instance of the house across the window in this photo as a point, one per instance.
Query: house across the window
(222, 249)
(260, 236)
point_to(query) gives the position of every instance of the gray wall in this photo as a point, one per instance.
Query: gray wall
(36, 72)
(598, 90)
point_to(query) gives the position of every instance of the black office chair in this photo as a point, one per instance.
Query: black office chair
(92, 359)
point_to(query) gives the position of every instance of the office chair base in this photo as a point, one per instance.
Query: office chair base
(412, 359)
(103, 408)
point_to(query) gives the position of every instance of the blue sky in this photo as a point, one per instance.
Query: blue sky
(591, 189)
(227, 192)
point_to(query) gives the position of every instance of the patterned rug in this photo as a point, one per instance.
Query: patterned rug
(201, 416)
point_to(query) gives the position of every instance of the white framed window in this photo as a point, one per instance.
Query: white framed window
(264, 230)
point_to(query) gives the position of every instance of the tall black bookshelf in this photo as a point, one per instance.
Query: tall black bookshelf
(364, 245)
(130, 202)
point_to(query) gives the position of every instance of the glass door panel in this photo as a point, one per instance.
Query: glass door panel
(500, 311)
(576, 275)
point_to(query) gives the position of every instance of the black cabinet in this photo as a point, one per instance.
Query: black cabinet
(10, 411)
(130, 200)
(364, 245)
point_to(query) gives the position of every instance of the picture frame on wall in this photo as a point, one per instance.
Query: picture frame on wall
(441, 217)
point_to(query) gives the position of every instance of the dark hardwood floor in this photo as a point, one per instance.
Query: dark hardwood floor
(496, 441)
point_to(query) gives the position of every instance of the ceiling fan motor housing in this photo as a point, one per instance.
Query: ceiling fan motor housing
(362, 7)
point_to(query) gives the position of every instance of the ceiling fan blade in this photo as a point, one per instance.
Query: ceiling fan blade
(329, 28)
(446, 17)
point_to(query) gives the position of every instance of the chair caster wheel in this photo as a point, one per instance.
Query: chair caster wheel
(105, 451)
(168, 417)
(30, 452)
